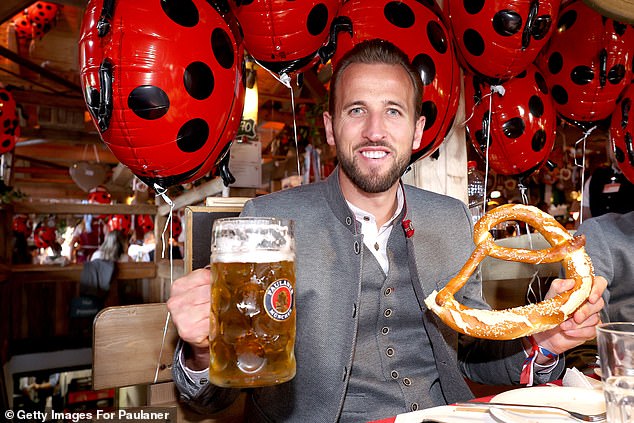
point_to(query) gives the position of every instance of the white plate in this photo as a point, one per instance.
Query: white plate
(588, 401)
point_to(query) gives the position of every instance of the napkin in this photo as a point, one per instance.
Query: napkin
(574, 378)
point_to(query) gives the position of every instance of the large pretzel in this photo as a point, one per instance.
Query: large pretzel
(519, 321)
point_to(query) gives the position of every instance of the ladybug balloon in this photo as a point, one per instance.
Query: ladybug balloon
(44, 236)
(9, 126)
(42, 16)
(420, 32)
(144, 222)
(22, 26)
(163, 81)
(522, 122)
(284, 36)
(587, 63)
(22, 224)
(120, 222)
(99, 195)
(622, 134)
(500, 38)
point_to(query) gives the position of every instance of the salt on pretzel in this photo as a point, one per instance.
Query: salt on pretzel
(519, 321)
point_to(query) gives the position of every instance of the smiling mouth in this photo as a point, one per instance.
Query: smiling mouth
(374, 154)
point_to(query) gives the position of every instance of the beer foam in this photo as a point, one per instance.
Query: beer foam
(257, 241)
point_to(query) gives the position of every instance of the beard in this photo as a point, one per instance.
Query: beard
(372, 183)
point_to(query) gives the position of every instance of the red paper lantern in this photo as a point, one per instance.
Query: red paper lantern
(420, 32)
(587, 63)
(164, 85)
(500, 38)
(622, 134)
(522, 122)
(9, 125)
(284, 36)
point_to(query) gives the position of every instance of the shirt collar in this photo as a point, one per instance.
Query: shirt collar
(361, 214)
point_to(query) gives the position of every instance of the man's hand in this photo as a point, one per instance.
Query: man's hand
(578, 328)
(189, 305)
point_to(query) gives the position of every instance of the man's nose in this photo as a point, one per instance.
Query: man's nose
(375, 129)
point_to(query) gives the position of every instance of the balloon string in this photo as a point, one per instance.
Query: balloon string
(488, 144)
(285, 80)
(583, 166)
(162, 192)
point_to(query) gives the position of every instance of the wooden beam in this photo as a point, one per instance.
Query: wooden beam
(40, 98)
(14, 57)
(61, 135)
(81, 209)
(65, 154)
(193, 196)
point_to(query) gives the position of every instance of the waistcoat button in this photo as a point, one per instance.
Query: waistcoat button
(387, 292)
(407, 381)
(387, 312)
(354, 310)
(385, 330)
(394, 374)
(345, 373)
(357, 247)
(389, 351)
(413, 407)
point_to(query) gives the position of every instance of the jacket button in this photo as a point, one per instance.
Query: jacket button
(357, 247)
(348, 220)
(354, 310)
(407, 381)
(345, 374)
(413, 406)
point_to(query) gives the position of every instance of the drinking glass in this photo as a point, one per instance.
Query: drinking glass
(615, 342)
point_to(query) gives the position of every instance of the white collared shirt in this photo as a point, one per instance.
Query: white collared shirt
(376, 238)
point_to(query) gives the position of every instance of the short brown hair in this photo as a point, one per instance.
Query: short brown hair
(377, 51)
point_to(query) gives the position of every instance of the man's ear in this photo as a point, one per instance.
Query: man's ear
(418, 132)
(330, 137)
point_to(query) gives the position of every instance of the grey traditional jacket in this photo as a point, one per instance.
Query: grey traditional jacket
(610, 243)
(329, 259)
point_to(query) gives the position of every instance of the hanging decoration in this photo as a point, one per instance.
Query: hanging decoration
(512, 125)
(144, 222)
(284, 36)
(121, 223)
(45, 235)
(9, 124)
(22, 224)
(42, 16)
(166, 93)
(587, 64)
(622, 134)
(500, 38)
(419, 31)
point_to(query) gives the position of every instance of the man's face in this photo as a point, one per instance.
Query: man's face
(373, 125)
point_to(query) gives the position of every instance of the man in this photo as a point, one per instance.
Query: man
(369, 250)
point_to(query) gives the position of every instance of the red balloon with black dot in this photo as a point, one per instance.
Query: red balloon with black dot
(521, 126)
(22, 224)
(120, 222)
(9, 125)
(622, 133)
(588, 63)
(417, 28)
(282, 35)
(164, 85)
(500, 38)
(145, 222)
(44, 236)
(42, 16)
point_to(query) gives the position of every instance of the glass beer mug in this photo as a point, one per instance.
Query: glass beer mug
(252, 302)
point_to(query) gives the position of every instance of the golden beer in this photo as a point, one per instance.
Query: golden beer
(252, 302)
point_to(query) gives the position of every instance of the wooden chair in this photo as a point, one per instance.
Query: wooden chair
(132, 344)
